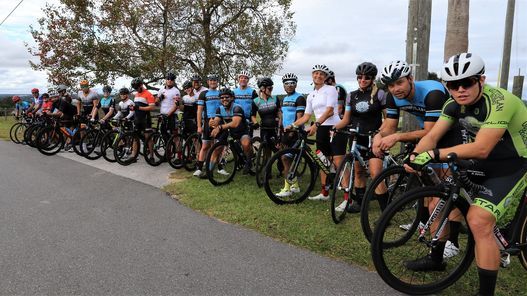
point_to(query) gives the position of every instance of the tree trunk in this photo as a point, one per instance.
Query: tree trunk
(456, 38)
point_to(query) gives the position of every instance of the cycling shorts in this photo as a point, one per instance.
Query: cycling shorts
(328, 147)
(289, 138)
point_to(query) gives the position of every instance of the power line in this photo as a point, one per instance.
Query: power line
(11, 12)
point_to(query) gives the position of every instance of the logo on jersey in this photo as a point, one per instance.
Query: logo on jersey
(362, 107)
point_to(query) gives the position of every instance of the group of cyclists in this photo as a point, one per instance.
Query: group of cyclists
(462, 115)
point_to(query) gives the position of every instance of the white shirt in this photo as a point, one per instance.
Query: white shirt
(171, 97)
(319, 100)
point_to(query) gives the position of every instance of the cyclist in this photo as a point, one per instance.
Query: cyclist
(230, 117)
(244, 94)
(47, 104)
(293, 107)
(62, 90)
(36, 102)
(126, 106)
(342, 93)
(88, 101)
(63, 109)
(106, 104)
(196, 84)
(268, 107)
(208, 102)
(323, 102)
(497, 122)
(169, 97)
(21, 107)
(189, 109)
(365, 111)
(144, 102)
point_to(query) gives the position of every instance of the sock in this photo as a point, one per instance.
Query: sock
(487, 281)
(382, 199)
(346, 195)
(437, 252)
(199, 165)
(287, 185)
(324, 190)
(454, 232)
(359, 193)
(423, 214)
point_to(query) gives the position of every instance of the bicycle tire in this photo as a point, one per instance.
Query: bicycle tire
(273, 182)
(19, 133)
(174, 152)
(157, 155)
(523, 240)
(49, 141)
(12, 133)
(107, 144)
(227, 160)
(90, 144)
(389, 258)
(338, 190)
(397, 181)
(191, 150)
(123, 148)
(262, 156)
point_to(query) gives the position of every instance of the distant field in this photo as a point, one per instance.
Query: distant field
(5, 125)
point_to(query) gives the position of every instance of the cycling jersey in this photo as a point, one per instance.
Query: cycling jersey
(319, 100)
(292, 105)
(190, 107)
(198, 92)
(366, 109)
(210, 100)
(105, 104)
(171, 97)
(142, 118)
(67, 109)
(22, 106)
(426, 105)
(268, 111)
(226, 116)
(87, 100)
(125, 109)
(244, 98)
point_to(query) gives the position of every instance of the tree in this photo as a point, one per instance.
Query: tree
(101, 40)
(456, 38)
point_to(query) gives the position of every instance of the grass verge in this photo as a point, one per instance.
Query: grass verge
(5, 126)
(307, 225)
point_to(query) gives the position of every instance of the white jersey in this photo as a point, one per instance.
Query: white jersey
(171, 97)
(124, 110)
(200, 90)
(319, 100)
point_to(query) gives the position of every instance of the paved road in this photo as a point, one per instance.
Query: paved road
(68, 228)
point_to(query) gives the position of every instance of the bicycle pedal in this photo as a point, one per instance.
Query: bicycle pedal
(505, 260)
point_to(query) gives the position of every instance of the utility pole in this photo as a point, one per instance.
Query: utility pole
(517, 85)
(507, 41)
(456, 37)
(417, 47)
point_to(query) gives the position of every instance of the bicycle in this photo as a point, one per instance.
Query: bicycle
(391, 247)
(90, 144)
(175, 147)
(16, 132)
(266, 149)
(154, 149)
(304, 166)
(344, 181)
(52, 137)
(109, 139)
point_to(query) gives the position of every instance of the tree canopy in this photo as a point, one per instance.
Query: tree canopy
(101, 40)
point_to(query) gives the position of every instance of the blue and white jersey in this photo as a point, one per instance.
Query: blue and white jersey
(291, 105)
(22, 106)
(244, 98)
(426, 105)
(226, 116)
(210, 99)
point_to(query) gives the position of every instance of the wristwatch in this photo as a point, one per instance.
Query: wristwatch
(318, 124)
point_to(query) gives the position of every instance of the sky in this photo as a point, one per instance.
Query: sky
(338, 33)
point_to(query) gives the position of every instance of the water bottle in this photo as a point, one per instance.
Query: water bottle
(323, 158)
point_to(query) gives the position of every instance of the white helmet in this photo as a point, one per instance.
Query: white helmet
(395, 70)
(289, 77)
(321, 67)
(461, 66)
(244, 73)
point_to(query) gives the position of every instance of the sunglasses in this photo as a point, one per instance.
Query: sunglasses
(34, 92)
(290, 83)
(365, 77)
(466, 83)
(225, 98)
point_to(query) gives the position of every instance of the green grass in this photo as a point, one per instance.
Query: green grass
(5, 126)
(307, 225)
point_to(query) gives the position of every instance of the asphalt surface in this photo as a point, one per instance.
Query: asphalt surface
(71, 229)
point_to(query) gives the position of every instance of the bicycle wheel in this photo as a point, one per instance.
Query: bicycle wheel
(19, 133)
(262, 156)
(342, 189)
(154, 149)
(221, 164)
(523, 240)
(76, 140)
(396, 181)
(12, 132)
(49, 141)
(31, 134)
(107, 143)
(303, 182)
(174, 153)
(126, 148)
(90, 144)
(392, 247)
(191, 150)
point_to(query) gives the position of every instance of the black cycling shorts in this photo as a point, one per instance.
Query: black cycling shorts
(328, 147)
(289, 138)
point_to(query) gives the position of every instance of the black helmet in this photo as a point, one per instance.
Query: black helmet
(265, 82)
(107, 89)
(171, 76)
(136, 83)
(124, 91)
(187, 84)
(226, 91)
(366, 68)
(214, 77)
(61, 87)
(195, 77)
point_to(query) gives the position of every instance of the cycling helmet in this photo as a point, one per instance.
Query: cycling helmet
(195, 77)
(461, 66)
(214, 77)
(366, 68)
(124, 91)
(16, 99)
(84, 83)
(34, 90)
(171, 76)
(226, 91)
(331, 74)
(187, 84)
(52, 93)
(265, 82)
(62, 87)
(107, 89)
(394, 71)
(289, 77)
(321, 67)
(136, 83)
(244, 73)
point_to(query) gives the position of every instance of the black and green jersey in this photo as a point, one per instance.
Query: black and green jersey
(497, 108)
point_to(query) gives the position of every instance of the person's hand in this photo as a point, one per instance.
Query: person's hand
(256, 126)
(200, 130)
(416, 162)
(92, 120)
(102, 121)
(387, 142)
(312, 130)
(215, 132)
